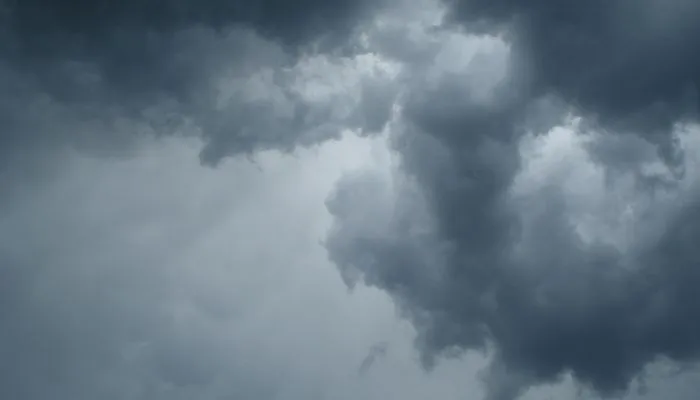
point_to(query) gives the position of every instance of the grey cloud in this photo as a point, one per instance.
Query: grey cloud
(629, 65)
(477, 266)
(472, 262)
(295, 108)
(35, 23)
(102, 75)
(472, 273)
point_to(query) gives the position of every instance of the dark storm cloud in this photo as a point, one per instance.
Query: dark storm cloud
(476, 267)
(631, 65)
(96, 74)
(36, 22)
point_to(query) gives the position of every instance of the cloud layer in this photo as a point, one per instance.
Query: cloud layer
(541, 206)
(240, 75)
(486, 243)
(624, 63)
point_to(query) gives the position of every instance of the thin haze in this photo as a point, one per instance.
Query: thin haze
(341, 199)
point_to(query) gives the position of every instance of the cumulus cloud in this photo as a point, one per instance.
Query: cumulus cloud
(243, 76)
(624, 64)
(538, 212)
(541, 207)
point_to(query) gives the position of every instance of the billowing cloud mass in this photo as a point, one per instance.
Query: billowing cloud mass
(547, 199)
(243, 75)
(627, 65)
(535, 208)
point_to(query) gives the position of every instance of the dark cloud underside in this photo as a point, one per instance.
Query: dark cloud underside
(95, 74)
(632, 65)
(291, 23)
(473, 265)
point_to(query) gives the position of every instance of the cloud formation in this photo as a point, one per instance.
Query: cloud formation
(542, 208)
(97, 75)
(538, 212)
(624, 63)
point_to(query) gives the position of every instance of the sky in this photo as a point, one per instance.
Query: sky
(336, 200)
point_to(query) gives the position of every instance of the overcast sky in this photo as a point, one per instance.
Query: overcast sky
(349, 199)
